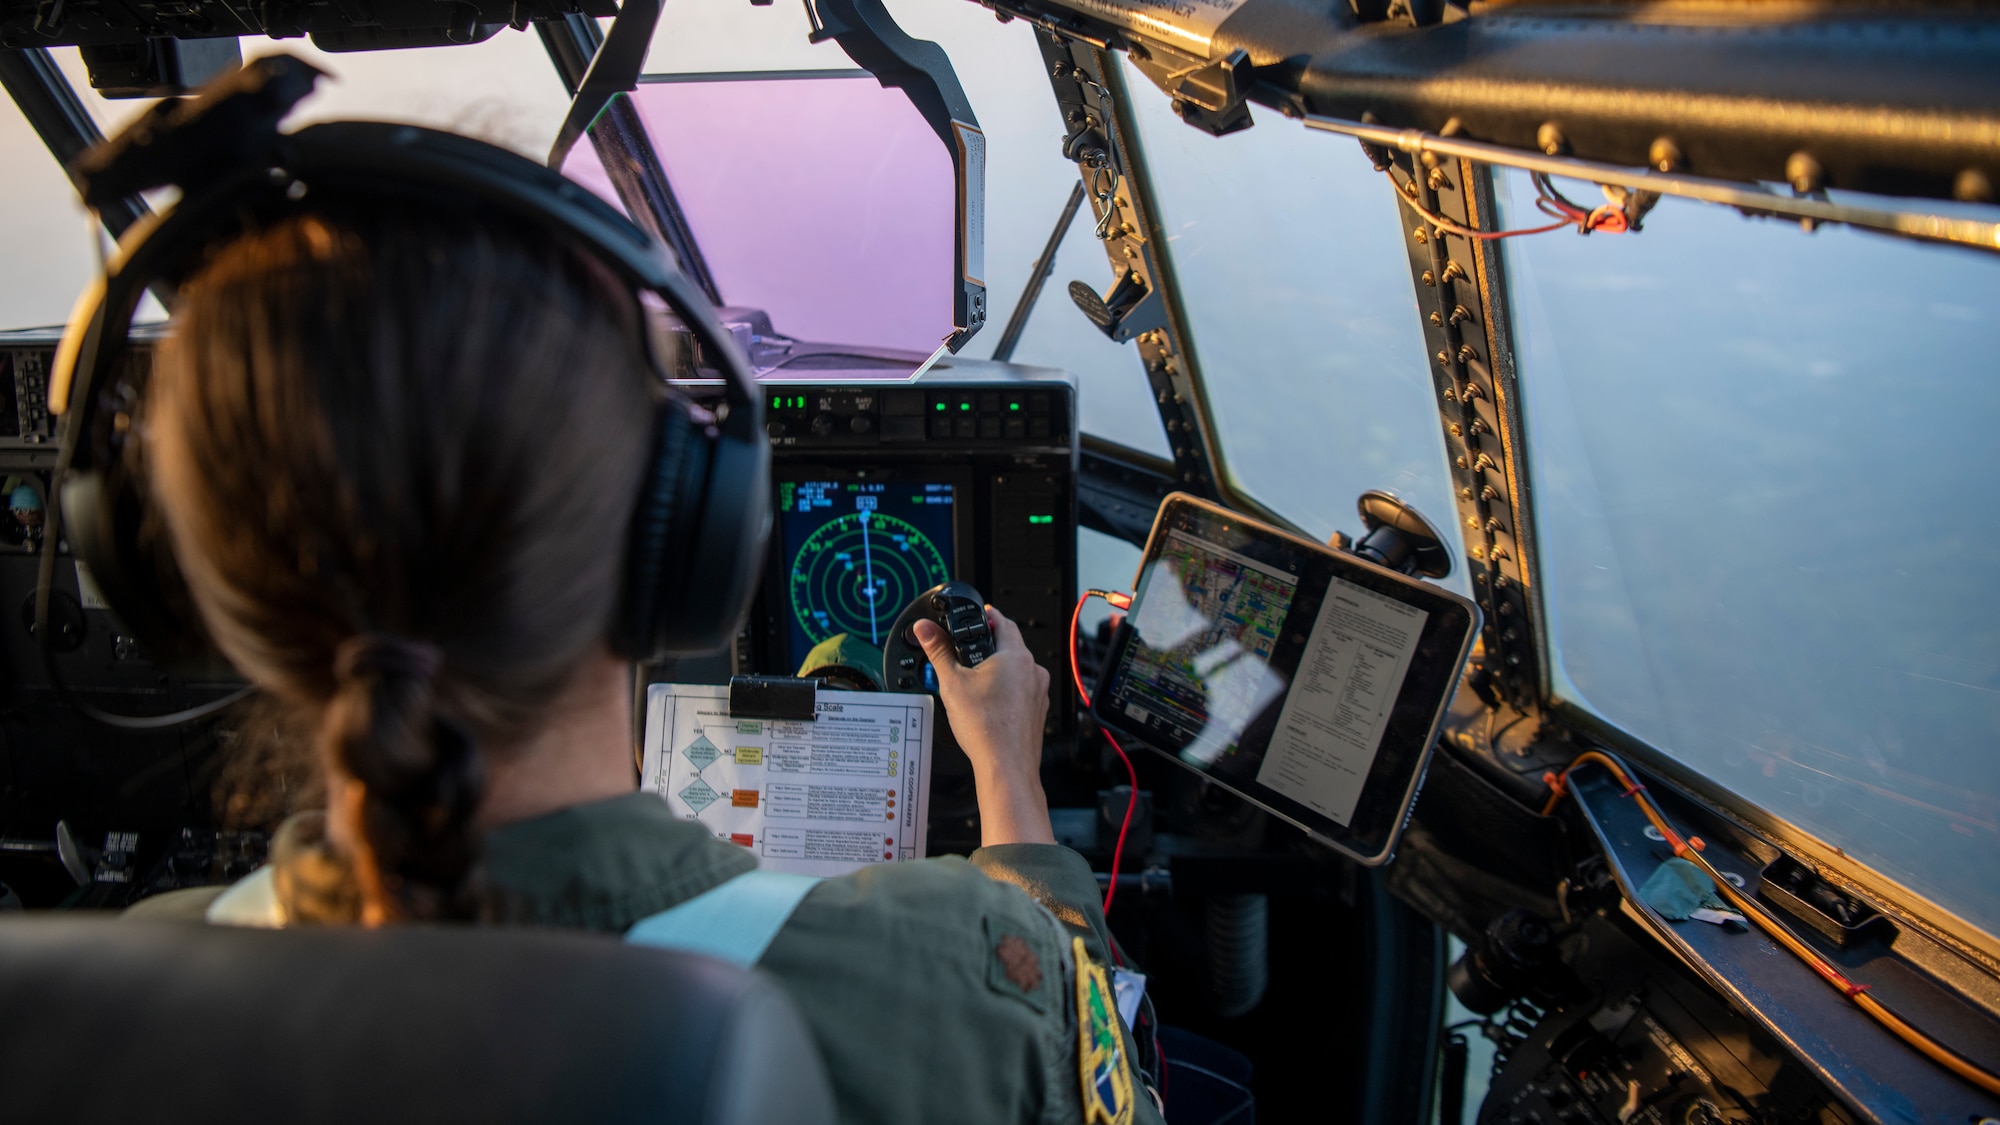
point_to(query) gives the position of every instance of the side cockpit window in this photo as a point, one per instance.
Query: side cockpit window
(1761, 466)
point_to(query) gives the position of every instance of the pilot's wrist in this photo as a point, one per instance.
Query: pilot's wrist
(1012, 809)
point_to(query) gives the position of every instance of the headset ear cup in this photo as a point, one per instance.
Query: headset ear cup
(669, 501)
(104, 519)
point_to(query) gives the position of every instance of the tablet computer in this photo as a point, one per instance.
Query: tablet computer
(1304, 679)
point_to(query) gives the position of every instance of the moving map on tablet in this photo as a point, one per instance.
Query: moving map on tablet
(1211, 618)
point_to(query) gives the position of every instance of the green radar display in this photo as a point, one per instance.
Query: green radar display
(858, 552)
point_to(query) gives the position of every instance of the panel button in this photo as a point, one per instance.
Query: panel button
(1038, 427)
(967, 426)
(903, 429)
(989, 427)
(1017, 427)
(940, 426)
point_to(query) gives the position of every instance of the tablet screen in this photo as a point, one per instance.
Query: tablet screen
(1301, 677)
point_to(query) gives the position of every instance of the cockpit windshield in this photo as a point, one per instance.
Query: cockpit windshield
(820, 198)
(1761, 466)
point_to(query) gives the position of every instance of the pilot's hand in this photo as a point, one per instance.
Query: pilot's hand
(997, 711)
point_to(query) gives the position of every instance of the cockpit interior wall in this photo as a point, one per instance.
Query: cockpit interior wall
(1660, 325)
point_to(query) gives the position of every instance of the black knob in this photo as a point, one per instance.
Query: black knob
(822, 424)
(861, 423)
(775, 428)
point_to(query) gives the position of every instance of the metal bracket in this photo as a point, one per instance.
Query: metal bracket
(627, 152)
(1211, 96)
(1462, 298)
(1102, 139)
(614, 69)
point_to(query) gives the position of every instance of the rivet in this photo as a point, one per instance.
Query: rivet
(1472, 522)
(1453, 271)
(1472, 390)
(1454, 429)
(1478, 426)
(1549, 138)
(1460, 313)
(1466, 354)
(1459, 461)
(1465, 494)
(1484, 463)
(1665, 155)
(1492, 525)
(1972, 186)
(1420, 236)
(1436, 320)
(1444, 359)
(1804, 173)
(1430, 278)
(1488, 493)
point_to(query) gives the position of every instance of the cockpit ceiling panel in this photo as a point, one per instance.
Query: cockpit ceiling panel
(1901, 104)
(26, 23)
(826, 202)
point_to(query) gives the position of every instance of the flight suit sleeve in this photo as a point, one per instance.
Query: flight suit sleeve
(1060, 880)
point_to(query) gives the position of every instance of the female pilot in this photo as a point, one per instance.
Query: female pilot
(396, 448)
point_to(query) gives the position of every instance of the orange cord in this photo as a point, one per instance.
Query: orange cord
(1690, 850)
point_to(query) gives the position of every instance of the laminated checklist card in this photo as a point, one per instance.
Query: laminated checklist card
(826, 797)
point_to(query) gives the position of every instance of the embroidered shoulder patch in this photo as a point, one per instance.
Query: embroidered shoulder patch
(1101, 1063)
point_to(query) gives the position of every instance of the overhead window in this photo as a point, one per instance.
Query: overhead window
(1763, 477)
(1304, 317)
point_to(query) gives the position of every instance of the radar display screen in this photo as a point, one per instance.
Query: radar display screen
(857, 552)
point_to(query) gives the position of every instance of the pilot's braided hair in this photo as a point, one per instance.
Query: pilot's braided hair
(397, 447)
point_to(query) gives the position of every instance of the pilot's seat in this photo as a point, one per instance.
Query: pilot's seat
(103, 1020)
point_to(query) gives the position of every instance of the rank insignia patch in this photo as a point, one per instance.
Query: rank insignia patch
(1101, 1063)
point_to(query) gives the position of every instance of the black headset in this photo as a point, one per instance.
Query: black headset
(697, 536)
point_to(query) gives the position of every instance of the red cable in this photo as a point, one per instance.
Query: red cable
(1132, 775)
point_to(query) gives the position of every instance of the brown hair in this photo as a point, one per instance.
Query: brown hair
(397, 448)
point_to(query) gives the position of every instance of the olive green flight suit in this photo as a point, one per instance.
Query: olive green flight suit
(942, 990)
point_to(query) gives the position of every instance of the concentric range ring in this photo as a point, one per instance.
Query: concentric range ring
(856, 573)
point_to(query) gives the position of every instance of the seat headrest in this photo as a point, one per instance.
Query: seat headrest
(121, 1020)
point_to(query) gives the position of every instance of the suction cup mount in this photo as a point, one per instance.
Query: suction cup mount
(1399, 537)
